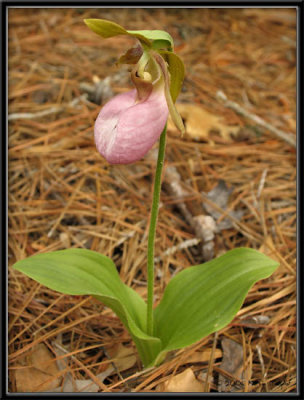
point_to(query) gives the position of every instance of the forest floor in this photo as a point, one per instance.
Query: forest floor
(238, 103)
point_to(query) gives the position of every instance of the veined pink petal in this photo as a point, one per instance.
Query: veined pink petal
(125, 130)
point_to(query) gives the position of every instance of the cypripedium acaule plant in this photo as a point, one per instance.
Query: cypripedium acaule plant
(198, 300)
(130, 124)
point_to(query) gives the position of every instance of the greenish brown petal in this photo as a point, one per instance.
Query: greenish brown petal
(132, 56)
(176, 118)
(177, 72)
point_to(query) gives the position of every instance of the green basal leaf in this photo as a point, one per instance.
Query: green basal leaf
(86, 272)
(177, 72)
(205, 298)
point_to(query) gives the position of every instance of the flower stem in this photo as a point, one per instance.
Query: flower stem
(152, 229)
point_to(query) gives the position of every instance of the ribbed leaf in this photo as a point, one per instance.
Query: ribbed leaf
(198, 301)
(86, 272)
(205, 298)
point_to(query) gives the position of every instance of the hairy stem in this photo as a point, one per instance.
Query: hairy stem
(152, 229)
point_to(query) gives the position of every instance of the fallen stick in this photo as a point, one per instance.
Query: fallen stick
(183, 245)
(288, 137)
(52, 110)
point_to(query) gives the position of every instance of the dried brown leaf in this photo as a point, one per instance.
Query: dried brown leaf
(183, 382)
(199, 123)
(39, 373)
(203, 356)
(232, 364)
(123, 357)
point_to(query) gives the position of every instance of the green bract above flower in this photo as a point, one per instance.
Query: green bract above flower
(155, 39)
(154, 55)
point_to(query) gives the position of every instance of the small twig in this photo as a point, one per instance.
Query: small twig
(183, 245)
(130, 234)
(94, 379)
(114, 366)
(38, 114)
(264, 373)
(52, 110)
(262, 183)
(70, 201)
(203, 226)
(210, 366)
(288, 137)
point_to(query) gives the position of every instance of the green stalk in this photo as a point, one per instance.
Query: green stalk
(152, 229)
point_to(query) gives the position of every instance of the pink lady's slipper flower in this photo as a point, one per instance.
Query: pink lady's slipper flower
(129, 124)
(126, 127)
